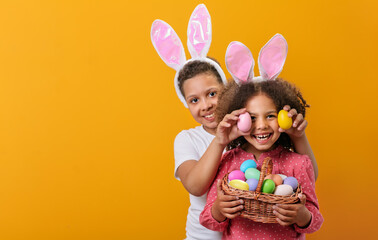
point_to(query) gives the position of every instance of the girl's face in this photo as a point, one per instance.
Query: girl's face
(201, 95)
(265, 127)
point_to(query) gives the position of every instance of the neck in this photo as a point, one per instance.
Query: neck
(212, 131)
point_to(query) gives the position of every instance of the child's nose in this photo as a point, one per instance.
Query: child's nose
(261, 124)
(207, 104)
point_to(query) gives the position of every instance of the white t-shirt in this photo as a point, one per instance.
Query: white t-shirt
(191, 145)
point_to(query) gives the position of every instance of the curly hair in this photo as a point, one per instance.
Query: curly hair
(194, 68)
(282, 93)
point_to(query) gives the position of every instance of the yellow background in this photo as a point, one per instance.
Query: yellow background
(88, 112)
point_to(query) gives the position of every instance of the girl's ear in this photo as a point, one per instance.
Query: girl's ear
(167, 44)
(239, 62)
(272, 57)
(199, 32)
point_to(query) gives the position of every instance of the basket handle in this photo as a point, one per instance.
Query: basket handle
(266, 169)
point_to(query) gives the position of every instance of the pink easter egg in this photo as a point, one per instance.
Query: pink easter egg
(236, 174)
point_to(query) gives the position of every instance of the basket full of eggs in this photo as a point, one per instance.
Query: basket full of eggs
(260, 190)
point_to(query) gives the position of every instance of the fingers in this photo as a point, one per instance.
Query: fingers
(222, 197)
(231, 118)
(302, 198)
(230, 206)
(284, 216)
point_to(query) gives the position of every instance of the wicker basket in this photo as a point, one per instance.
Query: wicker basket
(258, 206)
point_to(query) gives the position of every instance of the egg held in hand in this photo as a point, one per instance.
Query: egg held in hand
(284, 121)
(244, 122)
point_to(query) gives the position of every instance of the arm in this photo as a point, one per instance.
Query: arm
(298, 137)
(305, 215)
(219, 207)
(197, 176)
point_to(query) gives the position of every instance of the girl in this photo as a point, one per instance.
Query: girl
(262, 100)
(198, 81)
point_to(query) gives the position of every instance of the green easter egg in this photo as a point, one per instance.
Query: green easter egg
(268, 186)
(252, 173)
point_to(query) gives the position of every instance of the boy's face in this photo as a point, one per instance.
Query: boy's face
(201, 95)
(265, 127)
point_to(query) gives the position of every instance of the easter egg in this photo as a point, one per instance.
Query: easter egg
(252, 183)
(252, 173)
(292, 181)
(239, 184)
(284, 120)
(244, 122)
(276, 178)
(283, 176)
(247, 164)
(268, 186)
(236, 174)
(283, 190)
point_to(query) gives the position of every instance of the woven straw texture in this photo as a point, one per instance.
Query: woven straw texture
(258, 206)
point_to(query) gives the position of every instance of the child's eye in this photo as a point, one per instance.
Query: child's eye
(271, 116)
(253, 118)
(212, 94)
(194, 100)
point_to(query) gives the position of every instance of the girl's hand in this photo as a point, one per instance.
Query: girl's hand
(226, 206)
(288, 214)
(227, 129)
(299, 123)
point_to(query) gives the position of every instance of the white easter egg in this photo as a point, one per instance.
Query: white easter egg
(283, 190)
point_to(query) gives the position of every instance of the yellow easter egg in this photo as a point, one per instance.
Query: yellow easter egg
(284, 120)
(239, 184)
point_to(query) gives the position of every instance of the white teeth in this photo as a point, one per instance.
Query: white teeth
(262, 137)
(209, 116)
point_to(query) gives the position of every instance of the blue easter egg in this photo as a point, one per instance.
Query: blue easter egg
(247, 164)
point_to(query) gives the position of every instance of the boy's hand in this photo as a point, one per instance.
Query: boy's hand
(226, 206)
(299, 123)
(288, 214)
(227, 129)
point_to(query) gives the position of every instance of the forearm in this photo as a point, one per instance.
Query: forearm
(302, 146)
(197, 176)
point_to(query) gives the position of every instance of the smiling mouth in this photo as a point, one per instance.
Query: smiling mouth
(262, 138)
(210, 116)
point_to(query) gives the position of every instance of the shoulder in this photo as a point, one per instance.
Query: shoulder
(297, 162)
(197, 132)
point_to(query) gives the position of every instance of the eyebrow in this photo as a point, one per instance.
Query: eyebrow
(273, 111)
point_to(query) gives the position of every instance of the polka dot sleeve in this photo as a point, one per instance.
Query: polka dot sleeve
(206, 218)
(306, 178)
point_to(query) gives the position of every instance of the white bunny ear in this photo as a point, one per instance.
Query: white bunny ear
(239, 62)
(167, 44)
(199, 32)
(272, 57)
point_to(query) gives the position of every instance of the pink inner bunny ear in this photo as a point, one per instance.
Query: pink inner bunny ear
(239, 62)
(199, 32)
(167, 44)
(272, 57)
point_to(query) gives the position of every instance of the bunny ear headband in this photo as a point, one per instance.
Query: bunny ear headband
(240, 63)
(171, 51)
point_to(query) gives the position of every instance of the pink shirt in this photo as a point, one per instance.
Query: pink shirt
(284, 162)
